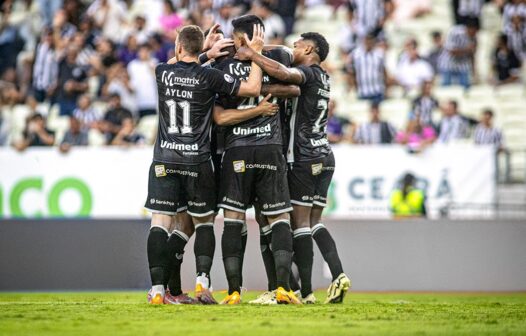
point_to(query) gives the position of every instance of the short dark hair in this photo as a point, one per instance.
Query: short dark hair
(322, 46)
(488, 112)
(245, 24)
(436, 34)
(454, 103)
(191, 39)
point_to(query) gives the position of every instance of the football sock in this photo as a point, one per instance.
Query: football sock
(244, 236)
(303, 256)
(327, 248)
(204, 248)
(176, 244)
(157, 256)
(265, 234)
(232, 248)
(282, 252)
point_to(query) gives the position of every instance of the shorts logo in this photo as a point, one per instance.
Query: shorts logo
(160, 171)
(179, 256)
(152, 201)
(265, 206)
(305, 198)
(317, 168)
(239, 166)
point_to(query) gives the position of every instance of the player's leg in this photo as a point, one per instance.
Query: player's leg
(181, 231)
(341, 283)
(162, 202)
(200, 189)
(232, 249)
(303, 249)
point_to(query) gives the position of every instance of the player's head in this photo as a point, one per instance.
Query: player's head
(310, 45)
(189, 42)
(245, 25)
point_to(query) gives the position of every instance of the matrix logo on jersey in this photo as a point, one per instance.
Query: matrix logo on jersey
(179, 147)
(239, 69)
(160, 171)
(260, 131)
(169, 79)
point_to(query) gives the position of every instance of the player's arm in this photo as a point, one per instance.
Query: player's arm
(252, 86)
(281, 90)
(271, 67)
(227, 117)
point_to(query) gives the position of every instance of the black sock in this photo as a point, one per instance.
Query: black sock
(176, 244)
(204, 248)
(327, 248)
(294, 284)
(232, 247)
(157, 255)
(244, 236)
(282, 252)
(265, 235)
(303, 256)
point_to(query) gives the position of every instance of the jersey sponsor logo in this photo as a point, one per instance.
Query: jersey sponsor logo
(179, 147)
(324, 93)
(231, 201)
(228, 78)
(197, 204)
(317, 168)
(260, 131)
(272, 205)
(179, 256)
(182, 172)
(325, 80)
(170, 79)
(160, 171)
(319, 142)
(261, 166)
(239, 69)
(161, 202)
(239, 166)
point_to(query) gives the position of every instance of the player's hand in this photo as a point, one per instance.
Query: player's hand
(217, 49)
(212, 37)
(267, 108)
(244, 53)
(258, 39)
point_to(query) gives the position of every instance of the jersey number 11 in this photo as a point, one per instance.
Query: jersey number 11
(185, 106)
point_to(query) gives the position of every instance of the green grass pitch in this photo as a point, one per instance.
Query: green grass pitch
(116, 313)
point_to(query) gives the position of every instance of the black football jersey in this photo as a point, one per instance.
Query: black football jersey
(187, 94)
(259, 130)
(308, 122)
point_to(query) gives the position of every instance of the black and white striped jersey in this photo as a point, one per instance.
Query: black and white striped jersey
(423, 108)
(452, 128)
(45, 69)
(187, 93)
(369, 71)
(471, 8)
(456, 39)
(517, 41)
(369, 14)
(488, 136)
(261, 130)
(510, 10)
(308, 122)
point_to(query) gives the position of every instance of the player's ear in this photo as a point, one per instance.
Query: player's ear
(309, 49)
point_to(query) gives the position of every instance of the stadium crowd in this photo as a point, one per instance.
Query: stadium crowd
(93, 62)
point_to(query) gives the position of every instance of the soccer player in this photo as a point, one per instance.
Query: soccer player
(310, 157)
(254, 168)
(181, 174)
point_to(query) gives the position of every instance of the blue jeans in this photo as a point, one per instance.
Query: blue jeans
(456, 77)
(374, 99)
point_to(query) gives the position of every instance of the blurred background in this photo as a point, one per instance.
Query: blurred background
(427, 122)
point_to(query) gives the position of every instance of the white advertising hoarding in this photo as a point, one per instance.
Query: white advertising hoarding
(112, 182)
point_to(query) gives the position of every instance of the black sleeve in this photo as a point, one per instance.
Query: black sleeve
(307, 73)
(222, 82)
(281, 55)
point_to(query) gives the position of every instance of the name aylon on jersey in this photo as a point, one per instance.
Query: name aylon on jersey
(179, 93)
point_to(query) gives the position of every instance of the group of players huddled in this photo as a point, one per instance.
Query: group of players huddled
(241, 124)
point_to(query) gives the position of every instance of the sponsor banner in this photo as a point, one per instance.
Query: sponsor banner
(112, 182)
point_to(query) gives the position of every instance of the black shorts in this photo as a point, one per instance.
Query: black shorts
(309, 181)
(254, 173)
(173, 188)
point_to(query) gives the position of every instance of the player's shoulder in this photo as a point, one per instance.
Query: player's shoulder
(281, 54)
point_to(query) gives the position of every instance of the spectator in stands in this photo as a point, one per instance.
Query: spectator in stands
(372, 14)
(469, 10)
(5, 130)
(45, 68)
(85, 114)
(35, 133)
(128, 52)
(86, 52)
(376, 131)
(114, 117)
(118, 81)
(109, 16)
(436, 50)
(10, 41)
(456, 62)
(416, 136)
(72, 82)
(274, 25)
(516, 33)
(338, 129)
(349, 33)
(287, 10)
(409, 9)
(486, 134)
(74, 136)
(170, 20)
(139, 30)
(506, 65)
(412, 70)
(161, 50)
(143, 82)
(47, 9)
(127, 136)
(453, 126)
(512, 8)
(424, 105)
(367, 71)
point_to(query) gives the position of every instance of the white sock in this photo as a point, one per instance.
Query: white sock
(157, 289)
(203, 280)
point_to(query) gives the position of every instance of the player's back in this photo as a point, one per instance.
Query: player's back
(308, 122)
(186, 98)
